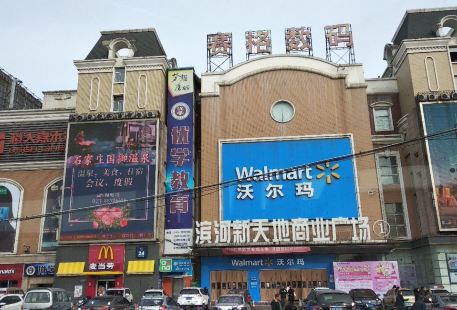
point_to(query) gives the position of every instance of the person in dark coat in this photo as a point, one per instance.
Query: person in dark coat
(291, 295)
(419, 304)
(275, 305)
(399, 300)
(283, 294)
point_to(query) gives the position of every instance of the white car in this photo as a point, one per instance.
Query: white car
(11, 302)
(193, 296)
(152, 293)
(120, 291)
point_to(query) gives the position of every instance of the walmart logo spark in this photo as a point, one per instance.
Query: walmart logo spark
(328, 172)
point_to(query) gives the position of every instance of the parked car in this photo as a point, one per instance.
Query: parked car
(245, 293)
(232, 302)
(154, 293)
(389, 298)
(366, 299)
(158, 303)
(443, 301)
(11, 302)
(47, 298)
(120, 291)
(11, 290)
(328, 299)
(112, 302)
(193, 296)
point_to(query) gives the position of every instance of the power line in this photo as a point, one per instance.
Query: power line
(211, 188)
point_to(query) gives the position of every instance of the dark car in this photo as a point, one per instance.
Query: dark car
(366, 299)
(245, 293)
(328, 300)
(108, 302)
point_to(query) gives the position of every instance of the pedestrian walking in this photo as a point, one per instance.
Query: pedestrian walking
(275, 304)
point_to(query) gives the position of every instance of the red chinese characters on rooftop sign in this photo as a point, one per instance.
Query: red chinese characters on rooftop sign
(258, 42)
(339, 34)
(298, 39)
(219, 44)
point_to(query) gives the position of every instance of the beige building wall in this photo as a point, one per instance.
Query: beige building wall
(34, 184)
(323, 106)
(94, 92)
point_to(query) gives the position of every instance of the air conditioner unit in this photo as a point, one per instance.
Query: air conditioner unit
(454, 95)
(432, 97)
(445, 96)
(421, 97)
(101, 116)
(151, 114)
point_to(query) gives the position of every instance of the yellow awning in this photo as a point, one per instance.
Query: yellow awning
(140, 267)
(70, 269)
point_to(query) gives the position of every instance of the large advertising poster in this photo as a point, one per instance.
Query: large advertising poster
(325, 189)
(110, 168)
(180, 162)
(379, 276)
(442, 151)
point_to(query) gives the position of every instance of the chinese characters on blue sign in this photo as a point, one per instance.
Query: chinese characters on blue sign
(325, 189)
(180, 159)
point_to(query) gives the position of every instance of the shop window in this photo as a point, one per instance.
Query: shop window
(213, 285)
(294, 284)
(218, 285)
(224, 286)
(50, 224)
(9, 209)
(119, 75)
(118, 103)
(262, 284)
(396, 219)
(388, 169)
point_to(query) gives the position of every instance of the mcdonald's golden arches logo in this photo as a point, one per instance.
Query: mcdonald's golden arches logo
(105, 251)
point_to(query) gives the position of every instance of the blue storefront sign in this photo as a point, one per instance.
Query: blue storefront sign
(254, 264)
(324, 185)
(39, 270)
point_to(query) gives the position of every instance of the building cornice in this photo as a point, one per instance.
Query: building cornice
(428, 45)
(352, 74)
(34, 165)
(133, 63)
(386, 139)
(12, 116)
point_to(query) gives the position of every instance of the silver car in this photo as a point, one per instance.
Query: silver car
(233, 301)
(156, 303)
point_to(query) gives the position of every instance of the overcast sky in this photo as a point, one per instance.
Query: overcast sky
(41, 38)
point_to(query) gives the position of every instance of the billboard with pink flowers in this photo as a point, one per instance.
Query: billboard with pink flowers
(379, 276)
(109, 181)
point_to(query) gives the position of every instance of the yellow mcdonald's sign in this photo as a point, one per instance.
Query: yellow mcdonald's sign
(105, 250)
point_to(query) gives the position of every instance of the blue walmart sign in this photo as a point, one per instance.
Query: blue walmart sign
(326, 190)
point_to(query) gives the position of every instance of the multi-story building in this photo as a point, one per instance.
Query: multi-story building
(32, 150)
(14, 95)
(417, 97)
(112, 226)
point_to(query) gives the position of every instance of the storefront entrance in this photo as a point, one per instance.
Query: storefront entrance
(223, 281)
(106, 283)
(302, 281)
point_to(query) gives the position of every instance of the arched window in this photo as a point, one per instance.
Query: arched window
(50, 224)
(10, 200)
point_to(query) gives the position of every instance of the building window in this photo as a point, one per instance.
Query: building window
(388, 167)
(453, 54)
(50, 224)
(9, 209)
(119, 75)
(382, 119)
(396, 219)
(118, 103)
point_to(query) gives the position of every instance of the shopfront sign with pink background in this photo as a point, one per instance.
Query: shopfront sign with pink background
(379, 276)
